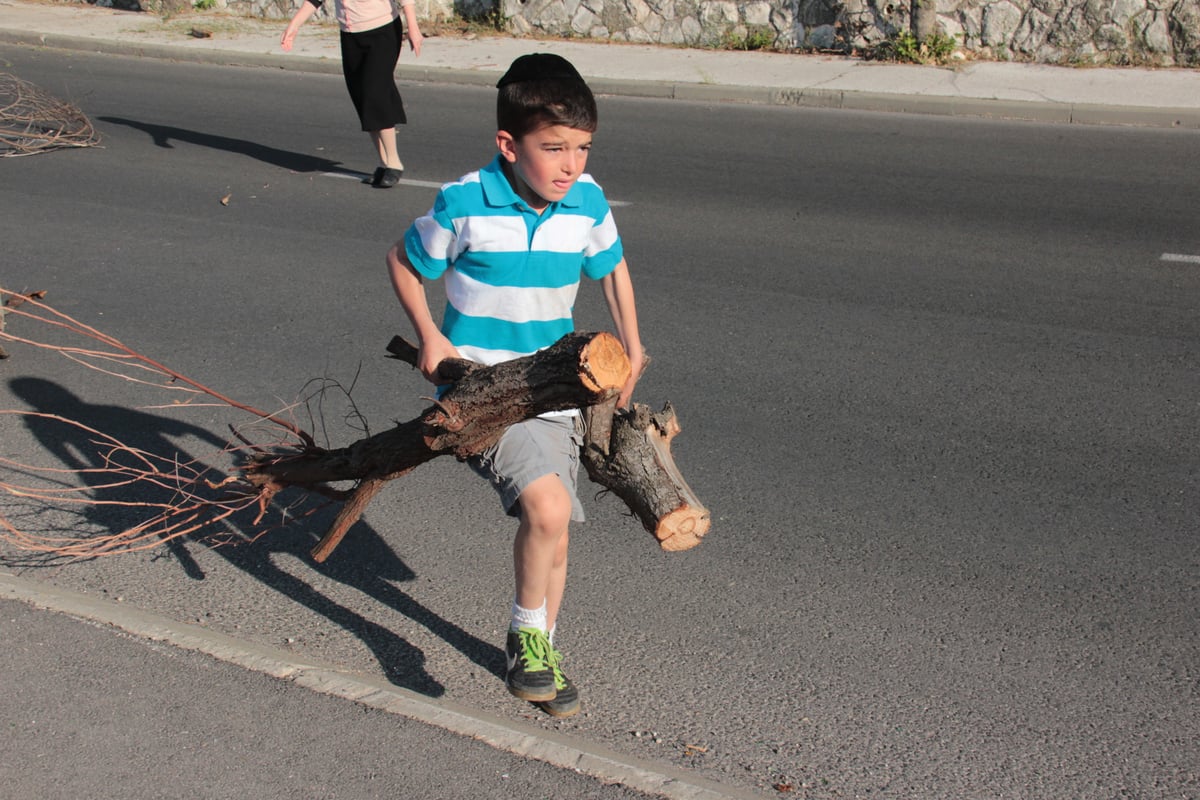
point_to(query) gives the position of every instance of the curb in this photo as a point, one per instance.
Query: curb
(527, 741)
(166, 52)
(950, 106)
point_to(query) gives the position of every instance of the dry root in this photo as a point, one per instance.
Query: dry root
(33, 121)
(169, 495)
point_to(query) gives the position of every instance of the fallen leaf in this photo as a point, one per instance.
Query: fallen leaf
(225, 199)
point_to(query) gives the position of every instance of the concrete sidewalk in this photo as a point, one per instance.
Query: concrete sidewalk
(97, 710)
(1113, 96)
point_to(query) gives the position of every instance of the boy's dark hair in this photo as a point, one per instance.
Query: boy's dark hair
(542, 89)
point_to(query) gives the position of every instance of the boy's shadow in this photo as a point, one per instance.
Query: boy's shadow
(364, 562)
(163, 135)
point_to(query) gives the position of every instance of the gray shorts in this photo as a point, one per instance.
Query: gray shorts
(529, 450)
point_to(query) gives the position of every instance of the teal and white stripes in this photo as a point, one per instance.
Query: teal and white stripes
(511, 275)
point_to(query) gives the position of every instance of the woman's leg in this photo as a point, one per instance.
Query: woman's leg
(385, 146)
(368, 64)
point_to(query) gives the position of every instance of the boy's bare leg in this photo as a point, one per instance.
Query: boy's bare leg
(540, 556)
(385, 145)
(558, 582)
(540, 548)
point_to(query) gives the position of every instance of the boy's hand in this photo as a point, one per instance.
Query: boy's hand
(637, 364)
(434, 351)
(626, 394)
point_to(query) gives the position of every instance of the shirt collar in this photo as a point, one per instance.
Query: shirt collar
(497, 191)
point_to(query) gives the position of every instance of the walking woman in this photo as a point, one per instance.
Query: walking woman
(371, 37)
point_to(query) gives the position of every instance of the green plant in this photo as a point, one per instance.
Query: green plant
(204, 5)
(906, 47)
(485, 23)
(491, 19)
(756, 37)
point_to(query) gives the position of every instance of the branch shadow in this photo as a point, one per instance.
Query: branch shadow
(164, 135)
(366, 562)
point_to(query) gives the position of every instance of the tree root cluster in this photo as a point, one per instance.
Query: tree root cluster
(34, 121)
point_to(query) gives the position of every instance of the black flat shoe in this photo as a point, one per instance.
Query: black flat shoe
(387, 177)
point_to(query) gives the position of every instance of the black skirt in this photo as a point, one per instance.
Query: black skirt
(369, 65)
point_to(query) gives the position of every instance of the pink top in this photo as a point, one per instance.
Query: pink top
(356, 16)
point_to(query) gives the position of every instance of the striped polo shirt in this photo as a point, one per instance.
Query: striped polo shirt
(511, 275)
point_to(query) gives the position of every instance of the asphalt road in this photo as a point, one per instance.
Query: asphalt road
(937, 382)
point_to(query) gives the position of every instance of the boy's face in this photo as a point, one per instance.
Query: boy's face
(545, 163)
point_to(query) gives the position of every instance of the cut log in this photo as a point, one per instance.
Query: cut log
(629, 452)
(581, 369)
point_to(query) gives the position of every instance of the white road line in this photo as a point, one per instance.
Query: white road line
(354, 176)
(361, 177)
(425, 184)
(1186, 259)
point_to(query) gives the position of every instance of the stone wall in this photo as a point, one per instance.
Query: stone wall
(1117, 32)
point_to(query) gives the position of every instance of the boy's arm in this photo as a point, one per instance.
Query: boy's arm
(410, 289)
(618, 292)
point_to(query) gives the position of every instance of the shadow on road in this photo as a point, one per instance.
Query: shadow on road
(363, 562)
(164, 135)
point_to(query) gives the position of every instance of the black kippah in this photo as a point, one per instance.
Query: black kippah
(539, 67)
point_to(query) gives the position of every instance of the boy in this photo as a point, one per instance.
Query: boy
(512, 240)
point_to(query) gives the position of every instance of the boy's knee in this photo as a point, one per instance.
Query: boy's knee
(546, 504)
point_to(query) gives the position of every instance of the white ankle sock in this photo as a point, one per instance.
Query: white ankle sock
(528, 617)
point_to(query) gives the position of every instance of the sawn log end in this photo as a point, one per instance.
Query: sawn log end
(682, 529)
(604, 364)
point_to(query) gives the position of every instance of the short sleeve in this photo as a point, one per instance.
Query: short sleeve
(430, 240)
(604, 250)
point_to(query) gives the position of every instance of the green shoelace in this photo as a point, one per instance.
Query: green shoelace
(553, 659)
(536, 652)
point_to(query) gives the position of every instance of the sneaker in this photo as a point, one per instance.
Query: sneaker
(566, 699)
(528, 674)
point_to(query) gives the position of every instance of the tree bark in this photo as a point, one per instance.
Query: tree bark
(579, 370)
(629, 452)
